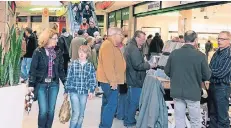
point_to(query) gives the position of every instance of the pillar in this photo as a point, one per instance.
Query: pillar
(132, 23)
(6, 17)
(29, 23)
(105, 23)
(45, 22)
(184, 21)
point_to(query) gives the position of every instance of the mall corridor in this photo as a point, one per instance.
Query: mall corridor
(91, 119)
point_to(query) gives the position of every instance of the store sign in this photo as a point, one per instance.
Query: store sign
(154, 6)
(168, 4)
(125, 14)
(147, 7)
(112, 17)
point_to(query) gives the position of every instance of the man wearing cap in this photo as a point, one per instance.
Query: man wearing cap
(92, 29)
(75, 44)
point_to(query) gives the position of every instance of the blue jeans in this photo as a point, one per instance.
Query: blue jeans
(25, 68)
(122, 106)
(133, 105)
(78, 105)
(47, 96)
(109, 104)
(219, 105)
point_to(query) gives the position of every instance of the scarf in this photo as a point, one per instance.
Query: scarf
(51, 57)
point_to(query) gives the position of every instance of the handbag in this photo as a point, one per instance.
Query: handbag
(65, 112)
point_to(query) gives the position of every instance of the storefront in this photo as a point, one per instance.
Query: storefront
(120, 19)
(173, 18)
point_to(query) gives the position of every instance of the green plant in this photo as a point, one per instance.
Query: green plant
(10, 54)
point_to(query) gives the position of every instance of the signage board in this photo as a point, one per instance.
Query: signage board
(147, 7)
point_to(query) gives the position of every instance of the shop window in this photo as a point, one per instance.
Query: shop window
(21, 19)
(36, 18)
(100, 18)
(53, 19)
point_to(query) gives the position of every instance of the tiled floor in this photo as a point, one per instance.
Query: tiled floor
(91, 119)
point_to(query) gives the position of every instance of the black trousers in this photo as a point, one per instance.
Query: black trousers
(66, 59)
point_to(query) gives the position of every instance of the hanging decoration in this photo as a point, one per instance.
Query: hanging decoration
(61, 12)
(103, 5)
(45, 12)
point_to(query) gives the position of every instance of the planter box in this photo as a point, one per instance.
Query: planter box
(12, 106)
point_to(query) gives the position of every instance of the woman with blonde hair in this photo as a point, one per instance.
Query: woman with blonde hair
(45, 72)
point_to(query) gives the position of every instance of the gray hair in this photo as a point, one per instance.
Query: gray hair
(114, 30)
(96, 33)
(227, 33)
(138, 33)
(190, 36)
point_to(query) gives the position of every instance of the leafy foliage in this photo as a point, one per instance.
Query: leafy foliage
(10, 60)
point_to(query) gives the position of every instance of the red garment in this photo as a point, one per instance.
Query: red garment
(84, 27)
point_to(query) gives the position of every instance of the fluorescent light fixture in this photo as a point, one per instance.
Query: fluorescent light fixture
(40, 9)
(46, 3)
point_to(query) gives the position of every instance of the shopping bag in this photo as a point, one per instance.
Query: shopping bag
(29, 99)
(65, 112)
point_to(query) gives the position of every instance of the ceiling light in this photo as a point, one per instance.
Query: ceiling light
(40, 9)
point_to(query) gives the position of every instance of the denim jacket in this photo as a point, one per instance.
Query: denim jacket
(80, 79)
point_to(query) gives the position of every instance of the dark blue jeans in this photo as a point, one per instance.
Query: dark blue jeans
(219, 105)
(47, 96)
(109, 104)
(122, 106)
(133, 105)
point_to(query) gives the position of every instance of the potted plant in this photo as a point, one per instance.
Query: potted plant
(11, 91)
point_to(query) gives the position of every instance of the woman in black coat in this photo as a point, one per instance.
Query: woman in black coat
(45, 72)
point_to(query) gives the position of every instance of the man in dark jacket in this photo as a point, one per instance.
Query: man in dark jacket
(156, 45)
(64, 45)
(187, 68)
(135, 73)
(92, 29)
(30, 47)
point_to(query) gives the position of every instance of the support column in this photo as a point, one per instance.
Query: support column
(6, 17)
(29, 23)
(132, 23)
(184, 21)
(45, 22)
(105, 24)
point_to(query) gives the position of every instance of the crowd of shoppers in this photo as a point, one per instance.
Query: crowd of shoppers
(117, 65)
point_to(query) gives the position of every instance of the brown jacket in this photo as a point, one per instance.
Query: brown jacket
(111, 64)
(74, 47)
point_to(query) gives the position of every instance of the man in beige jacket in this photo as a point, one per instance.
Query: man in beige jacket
(75, 44)
(110, 74)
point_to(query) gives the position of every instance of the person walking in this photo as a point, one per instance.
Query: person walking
(156, 45)
(219, 89)
(80, 85)
(64, 43)
(75, 44)
(187, 68)
(110, 74)
(45, 72)
(27, 58)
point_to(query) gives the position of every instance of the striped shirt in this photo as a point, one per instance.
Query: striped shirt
(80, 78)
(221, 66)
